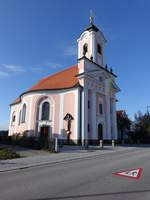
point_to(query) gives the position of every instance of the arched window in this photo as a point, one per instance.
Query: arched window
(45, 111)
(99, 49)
(13, 118)
(23, 113)
(85, 49)
(100, 109)
(19, 118)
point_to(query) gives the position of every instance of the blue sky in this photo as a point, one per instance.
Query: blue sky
(38, 37)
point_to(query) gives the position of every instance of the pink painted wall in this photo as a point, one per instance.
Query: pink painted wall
(24, 126)
(12, 125)
(54, 111)
(69, 107)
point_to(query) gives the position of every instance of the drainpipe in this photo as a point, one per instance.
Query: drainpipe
(80, 93)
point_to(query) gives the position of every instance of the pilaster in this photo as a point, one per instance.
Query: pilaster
(108, 110)
(93, 114)
(84, 115)
(114, 120)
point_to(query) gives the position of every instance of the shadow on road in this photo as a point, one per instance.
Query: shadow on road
(134, 145)
(93, 195)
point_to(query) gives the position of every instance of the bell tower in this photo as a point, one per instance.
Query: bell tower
(91, 44)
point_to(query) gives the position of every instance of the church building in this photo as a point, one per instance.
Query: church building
(76, 105)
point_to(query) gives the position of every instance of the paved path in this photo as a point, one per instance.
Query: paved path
(65, 154)
(87, 178)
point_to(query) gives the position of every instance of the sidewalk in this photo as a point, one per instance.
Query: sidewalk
(67, 153)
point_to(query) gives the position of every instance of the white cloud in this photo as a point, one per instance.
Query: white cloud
(46, 65)
(71, 51)
(3, 73)
(53, 65)
(13, 68)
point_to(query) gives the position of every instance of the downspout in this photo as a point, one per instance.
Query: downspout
(81, 88)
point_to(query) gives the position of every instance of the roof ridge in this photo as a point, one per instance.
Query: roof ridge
(63, 79)
(53, 75)
(60, 72)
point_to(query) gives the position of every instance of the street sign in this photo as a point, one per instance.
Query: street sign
(133, 173)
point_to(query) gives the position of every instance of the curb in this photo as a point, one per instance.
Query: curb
(27, 166)
(48, 163)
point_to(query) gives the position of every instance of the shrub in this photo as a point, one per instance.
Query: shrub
(6, 153)
(29, 142)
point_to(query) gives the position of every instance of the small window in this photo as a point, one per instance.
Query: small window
(88, 104)
(88, 127)
(14, 118)
(85, 49)
(100, 109)
(111, 109)
(23, 113)
(19, 118)
(100, 79)
(99, 49)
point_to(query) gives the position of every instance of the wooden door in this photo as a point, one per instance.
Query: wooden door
(100, 132)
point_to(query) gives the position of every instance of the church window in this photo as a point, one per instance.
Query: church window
(100, 108)
(88, 104)
(100, 79)
(13, 118)
(99, 49)
(19, 118)
(23, 113)
(45, 111)
(85, 49)
(88, 127)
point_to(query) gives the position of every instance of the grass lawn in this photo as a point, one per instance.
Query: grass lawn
(7, 153)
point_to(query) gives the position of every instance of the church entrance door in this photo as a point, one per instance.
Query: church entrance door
(100, 132)
(44, 136)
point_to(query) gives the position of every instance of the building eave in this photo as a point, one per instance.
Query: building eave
(84, 57)
(41, 90)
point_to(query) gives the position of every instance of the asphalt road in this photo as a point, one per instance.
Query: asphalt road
(82, 179)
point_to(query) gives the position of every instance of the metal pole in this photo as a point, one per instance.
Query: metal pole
(101, 144)
(56, 144)
(113, 144)
(86, 144)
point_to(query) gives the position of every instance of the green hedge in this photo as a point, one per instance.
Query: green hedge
(7, 153)
(29, 142)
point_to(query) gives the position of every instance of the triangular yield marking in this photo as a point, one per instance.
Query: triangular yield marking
(133, 173)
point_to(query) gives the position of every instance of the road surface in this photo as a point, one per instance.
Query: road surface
(88, 178)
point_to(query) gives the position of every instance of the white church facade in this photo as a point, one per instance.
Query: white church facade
(77, 105)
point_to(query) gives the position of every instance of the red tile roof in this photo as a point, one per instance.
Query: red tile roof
(61, 80)
(64, 79)
(16, 101)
